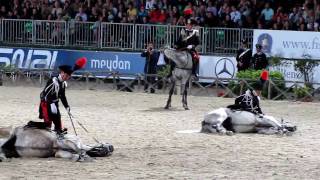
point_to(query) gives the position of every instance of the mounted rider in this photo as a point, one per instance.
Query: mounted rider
(188, 41)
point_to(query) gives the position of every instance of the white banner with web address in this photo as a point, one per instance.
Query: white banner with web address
(288, 44)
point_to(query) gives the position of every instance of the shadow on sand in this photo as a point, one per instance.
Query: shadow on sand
(161, 109)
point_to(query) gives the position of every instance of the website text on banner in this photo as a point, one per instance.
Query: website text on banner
(27, 58)
(288, 44)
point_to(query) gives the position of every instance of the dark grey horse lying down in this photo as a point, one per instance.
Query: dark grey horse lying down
(30, 142)
(227, 121)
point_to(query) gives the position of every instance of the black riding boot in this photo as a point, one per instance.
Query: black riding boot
(172, 66)
(194, 68)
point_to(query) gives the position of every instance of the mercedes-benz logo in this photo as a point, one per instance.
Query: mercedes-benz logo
(224, 68)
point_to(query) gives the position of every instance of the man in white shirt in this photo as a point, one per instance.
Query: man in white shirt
(235, 15)
(161, 65)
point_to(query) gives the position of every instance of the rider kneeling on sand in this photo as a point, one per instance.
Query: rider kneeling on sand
(53, 91)
(188, 40)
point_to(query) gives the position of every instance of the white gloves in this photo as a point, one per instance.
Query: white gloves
(53, 108)
(189, 47)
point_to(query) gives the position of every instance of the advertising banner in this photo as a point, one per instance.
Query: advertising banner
(29, 58)
(217, 66)
(288, 44)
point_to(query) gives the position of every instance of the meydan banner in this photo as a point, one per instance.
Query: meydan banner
(98, 61)
(288, 44)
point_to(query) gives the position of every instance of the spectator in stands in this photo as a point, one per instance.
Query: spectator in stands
(235, 16)
(244, 56)
(210, 20)
(56, 9)
(154, 14)
(286, 25)
(67, 10)
(82, 14)
(3, 12)
(227, 22)
(175, 12)
(223, 11)
(75, 6)
(162, 19)
(150, 66)
(121, 13)
(267, 14)
(94, 16)
(242, 13)
(141, 14)
(132, 13)
(45, 9)
(212, 8)
(259, 59)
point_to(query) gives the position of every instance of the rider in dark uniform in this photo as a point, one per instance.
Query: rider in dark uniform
(259, 59)
(188, 40)
(244, 56)
(249, 101)
(49, 98)
(53, 91)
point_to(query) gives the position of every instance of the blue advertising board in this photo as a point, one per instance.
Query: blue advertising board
(32, 58)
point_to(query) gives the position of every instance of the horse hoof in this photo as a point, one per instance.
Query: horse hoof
(167, 107)
(229, 133)
(186, 108)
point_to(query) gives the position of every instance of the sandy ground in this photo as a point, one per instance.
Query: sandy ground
(147, 145)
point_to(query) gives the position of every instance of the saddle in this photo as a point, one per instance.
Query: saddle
(42, 125)
(35, 125)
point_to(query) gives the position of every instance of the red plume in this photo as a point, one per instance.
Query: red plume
(80, 63)
(264, 75)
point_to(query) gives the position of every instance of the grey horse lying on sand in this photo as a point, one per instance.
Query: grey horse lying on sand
(31, 142)
(227, 121)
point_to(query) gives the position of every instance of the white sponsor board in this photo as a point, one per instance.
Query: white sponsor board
(288, 44)
(217, 66)
(225, 67)
(290, 74)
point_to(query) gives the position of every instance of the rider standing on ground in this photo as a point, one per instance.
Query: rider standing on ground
(188, 40)
(244, 56)
(53, 91)
(259, 59)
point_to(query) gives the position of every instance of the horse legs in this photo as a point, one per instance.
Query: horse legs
(2, 155)
(73, 156)
(270, 121)
(184, 97)
(267, 131)
(170, 95)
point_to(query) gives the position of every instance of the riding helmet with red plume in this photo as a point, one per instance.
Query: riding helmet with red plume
(80, 63)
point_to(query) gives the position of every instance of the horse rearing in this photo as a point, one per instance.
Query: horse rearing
(182, 72)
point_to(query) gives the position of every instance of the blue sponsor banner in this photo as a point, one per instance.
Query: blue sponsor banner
(29, 58)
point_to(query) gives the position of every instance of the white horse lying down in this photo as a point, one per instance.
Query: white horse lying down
(30, 142)
(227, 121)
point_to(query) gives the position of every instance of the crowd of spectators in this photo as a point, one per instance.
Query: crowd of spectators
(303, 15)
